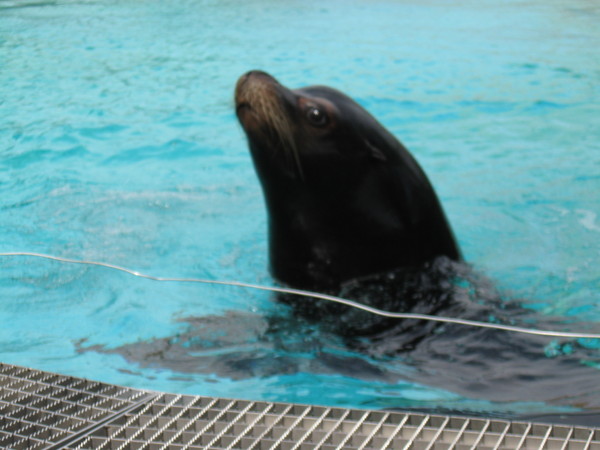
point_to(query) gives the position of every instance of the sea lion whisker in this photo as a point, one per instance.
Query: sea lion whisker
(281, 131)
(296, 155)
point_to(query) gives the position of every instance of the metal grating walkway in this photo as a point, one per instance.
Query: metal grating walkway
(45, 410)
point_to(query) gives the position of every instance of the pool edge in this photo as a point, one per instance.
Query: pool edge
(47, 410)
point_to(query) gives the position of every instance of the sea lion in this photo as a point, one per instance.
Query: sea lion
(345, 198)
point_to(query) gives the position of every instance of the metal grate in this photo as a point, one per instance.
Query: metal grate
(177, 422)
(43, 410)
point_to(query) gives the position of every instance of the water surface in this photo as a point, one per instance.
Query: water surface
(119, 144)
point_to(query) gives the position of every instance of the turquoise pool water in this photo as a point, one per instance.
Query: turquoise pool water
(119, 144)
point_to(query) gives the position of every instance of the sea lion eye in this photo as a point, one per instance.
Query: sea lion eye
(316, 116)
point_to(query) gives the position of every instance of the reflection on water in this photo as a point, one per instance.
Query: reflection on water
(480, 364)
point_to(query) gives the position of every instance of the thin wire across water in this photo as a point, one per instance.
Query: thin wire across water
(316, 295)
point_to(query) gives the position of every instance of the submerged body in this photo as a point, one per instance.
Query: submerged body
(345, 199)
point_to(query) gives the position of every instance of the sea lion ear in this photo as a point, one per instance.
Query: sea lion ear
(374, 152)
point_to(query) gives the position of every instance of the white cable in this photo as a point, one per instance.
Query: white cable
(331, 298)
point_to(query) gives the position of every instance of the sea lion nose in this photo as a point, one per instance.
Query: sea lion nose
(241, 86)
(257, 76)
(256, 73)
(246, 77)
(250, 81)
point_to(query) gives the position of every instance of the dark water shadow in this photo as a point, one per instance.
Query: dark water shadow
(321, 338)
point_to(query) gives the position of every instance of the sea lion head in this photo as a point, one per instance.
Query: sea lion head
(303, 132)
(344, 197)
